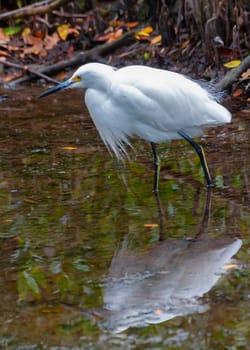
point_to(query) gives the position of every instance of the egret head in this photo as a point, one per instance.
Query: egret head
(91, 75)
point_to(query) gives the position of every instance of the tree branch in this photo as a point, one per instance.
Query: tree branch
(80, 58)
(39, 8)
(233, 74)
(27, 69)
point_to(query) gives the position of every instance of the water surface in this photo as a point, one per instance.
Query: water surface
(91, 260)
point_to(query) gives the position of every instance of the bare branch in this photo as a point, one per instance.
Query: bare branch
(80, 58)
(233, 74)
(39, 8)
(27, 69)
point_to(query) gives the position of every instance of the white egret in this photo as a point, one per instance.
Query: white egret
(154, 104)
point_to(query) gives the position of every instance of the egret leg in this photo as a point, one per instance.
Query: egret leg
(156, 167)
(199, 150)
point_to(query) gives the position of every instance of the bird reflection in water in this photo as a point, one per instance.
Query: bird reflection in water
(166, 281)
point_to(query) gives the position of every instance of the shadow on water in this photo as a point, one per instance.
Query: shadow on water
(89, 259)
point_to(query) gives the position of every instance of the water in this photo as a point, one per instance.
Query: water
(91, 260)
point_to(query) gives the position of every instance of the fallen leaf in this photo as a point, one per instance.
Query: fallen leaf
(45, 311)
(116, 35)
(4, 36)
(39, 34)
(28, 200)
(145, 32)
(73, 31)
(33, 40)
(13, 48)
(69, 148)
(109, 36)
(35, 50)
(51, 40)
(131, 24)
(232, 64)
(150, 225)
(237, 92)
(12, 30)
(156, 40)
(25, 32)
(185, 44)
(102, 37)
(64, 30)
(245, 75)
(4, 53)
(10, 77)
(116, 23)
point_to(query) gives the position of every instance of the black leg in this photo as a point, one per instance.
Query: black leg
(156, 166)
(199, 150)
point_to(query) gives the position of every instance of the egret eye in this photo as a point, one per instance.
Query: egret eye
(76, 79)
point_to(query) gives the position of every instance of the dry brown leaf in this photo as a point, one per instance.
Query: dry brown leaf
(33, 41)
(4, 54)
(116, 23)
(35, 50)
(51, 40)
(156, 40)
(3, 36)
(245, 75)
(150, 225)
(131, 24)
(116, 35)
(185, 44)
(12, 48)
(10, 77)
(28, 200)
(103, 37)
(237, 92)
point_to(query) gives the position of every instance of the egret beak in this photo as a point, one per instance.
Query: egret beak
(56, 88)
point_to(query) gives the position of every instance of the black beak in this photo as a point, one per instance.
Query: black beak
(59, 87)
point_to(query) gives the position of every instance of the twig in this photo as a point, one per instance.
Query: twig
(72, 15)
(29, 70)
(80, 58)
(39, 8)
(233, 74)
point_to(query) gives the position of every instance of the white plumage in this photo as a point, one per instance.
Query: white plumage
(154, 104)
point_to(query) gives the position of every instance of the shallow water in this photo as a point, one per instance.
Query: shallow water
(91, 260)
